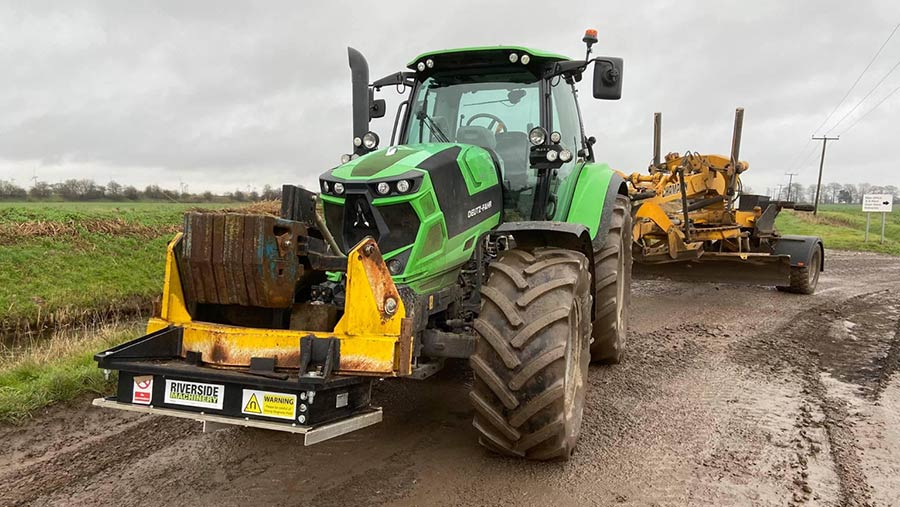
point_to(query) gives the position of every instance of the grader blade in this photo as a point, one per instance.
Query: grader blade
(751, 269)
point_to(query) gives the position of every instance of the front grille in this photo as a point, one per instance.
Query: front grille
(393, 226)
(359, 221)
(402, 225)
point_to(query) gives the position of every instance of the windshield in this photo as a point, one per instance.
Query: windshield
(493, 114)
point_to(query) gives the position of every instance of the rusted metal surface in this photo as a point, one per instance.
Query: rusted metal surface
(378, 275)
(240, 259)
(313, 317)
(404, 347)
(375, 335)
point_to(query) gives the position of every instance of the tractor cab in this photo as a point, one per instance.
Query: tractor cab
(495, 109)
(516, 103)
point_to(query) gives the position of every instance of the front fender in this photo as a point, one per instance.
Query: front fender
(566, 235)
(594, 197)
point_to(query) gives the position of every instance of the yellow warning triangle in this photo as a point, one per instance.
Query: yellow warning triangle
(253, 405)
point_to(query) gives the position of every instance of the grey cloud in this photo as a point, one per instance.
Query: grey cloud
(229, 94)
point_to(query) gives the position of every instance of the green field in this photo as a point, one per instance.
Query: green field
(843, 227)
(64, 261)
(70, 263)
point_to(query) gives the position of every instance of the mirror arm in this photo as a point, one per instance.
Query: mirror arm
(572, 69)
(397, 78)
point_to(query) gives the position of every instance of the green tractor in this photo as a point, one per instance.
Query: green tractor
(486, 230)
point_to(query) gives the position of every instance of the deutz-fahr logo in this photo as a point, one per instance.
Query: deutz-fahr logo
(478, 209)
(361, 219)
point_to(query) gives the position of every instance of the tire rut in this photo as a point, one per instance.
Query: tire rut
(845, 340)
(67, 469)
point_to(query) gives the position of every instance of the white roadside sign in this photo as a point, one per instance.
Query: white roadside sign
(877, 203)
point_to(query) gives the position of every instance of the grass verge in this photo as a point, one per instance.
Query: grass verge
(76, 262)
(57, 368)
(843, 227)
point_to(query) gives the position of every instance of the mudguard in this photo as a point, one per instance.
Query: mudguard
(566, 235)
(800, 248)
(595, 180)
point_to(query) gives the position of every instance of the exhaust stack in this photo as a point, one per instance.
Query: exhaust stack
(359, 75)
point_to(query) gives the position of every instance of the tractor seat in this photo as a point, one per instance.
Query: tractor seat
(478, 136)
(512, 147)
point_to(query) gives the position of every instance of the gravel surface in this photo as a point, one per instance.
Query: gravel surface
(728, 396)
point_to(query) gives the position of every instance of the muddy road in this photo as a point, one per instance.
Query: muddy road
(728, 396)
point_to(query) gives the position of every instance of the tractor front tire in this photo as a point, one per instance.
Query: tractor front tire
(612, 286)
(531, 359)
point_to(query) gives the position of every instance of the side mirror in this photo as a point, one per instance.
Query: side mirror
(377, 108)
(608, 78)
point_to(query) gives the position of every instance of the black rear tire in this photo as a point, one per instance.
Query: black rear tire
(805, 279)
(531, 360)
(612, 286)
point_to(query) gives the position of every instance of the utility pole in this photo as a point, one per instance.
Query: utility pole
(824, 140)
(790, 183)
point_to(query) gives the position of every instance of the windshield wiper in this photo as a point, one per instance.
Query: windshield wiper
(436, 131)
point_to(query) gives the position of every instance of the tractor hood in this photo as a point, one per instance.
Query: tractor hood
(387, 162)
(425, 204)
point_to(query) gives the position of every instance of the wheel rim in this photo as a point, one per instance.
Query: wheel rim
(574, 380)
(814, 269)
(620, 295)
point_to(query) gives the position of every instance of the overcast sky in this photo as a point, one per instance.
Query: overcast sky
(223, 95)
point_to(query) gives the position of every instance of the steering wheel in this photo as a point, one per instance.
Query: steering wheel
(501, 127)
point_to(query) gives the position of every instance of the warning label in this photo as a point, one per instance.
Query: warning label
(269, 404)
(142, 393)
(195, 394)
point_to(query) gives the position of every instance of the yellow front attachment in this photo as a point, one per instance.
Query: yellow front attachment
(375, 335)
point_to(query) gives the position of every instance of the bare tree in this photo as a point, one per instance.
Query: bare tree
(9, 190)
(862, 189)
(113, 190)
(40, 190)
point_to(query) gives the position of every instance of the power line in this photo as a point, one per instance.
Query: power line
(801, 161)
(858, 78)
(870, 110)
(796, 158)
(865, 97)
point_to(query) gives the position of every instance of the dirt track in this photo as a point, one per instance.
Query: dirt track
(793, 401)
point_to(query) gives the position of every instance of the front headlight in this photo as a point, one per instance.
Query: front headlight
(403, 186)
(537, 136)
(338, 188)
(370, 140)
(383, 188)
(325, 187)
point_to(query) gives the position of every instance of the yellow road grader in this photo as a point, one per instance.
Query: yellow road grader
(692, 222)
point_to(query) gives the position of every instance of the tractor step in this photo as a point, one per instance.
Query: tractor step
(153, 378)
(311, 434)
